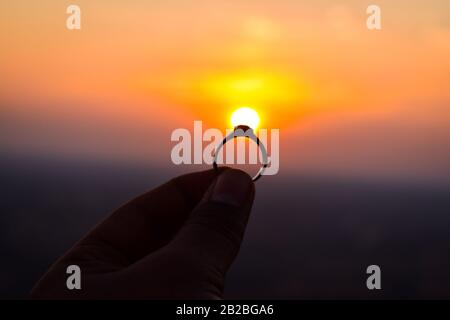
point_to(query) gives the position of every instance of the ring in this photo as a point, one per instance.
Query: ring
(244, 131)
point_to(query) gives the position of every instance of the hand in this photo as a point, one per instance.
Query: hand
(174, 242)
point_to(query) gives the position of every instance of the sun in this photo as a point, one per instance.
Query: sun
(245, 116)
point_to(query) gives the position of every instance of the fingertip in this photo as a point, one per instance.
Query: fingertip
(192, 186)
(233, 187)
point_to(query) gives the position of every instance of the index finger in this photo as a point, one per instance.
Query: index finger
(151, 220)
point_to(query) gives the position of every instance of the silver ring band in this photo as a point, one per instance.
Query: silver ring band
(244, 131)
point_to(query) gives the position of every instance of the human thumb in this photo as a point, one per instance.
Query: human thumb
(214, 230)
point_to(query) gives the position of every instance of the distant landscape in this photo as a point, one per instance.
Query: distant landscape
(308, 237)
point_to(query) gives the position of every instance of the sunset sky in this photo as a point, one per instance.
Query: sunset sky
(347, 100)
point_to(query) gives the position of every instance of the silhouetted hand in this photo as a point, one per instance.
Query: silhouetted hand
(174, 242)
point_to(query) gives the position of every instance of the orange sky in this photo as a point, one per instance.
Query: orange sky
(139, 69)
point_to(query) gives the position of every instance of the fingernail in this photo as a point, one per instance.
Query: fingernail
(232, 187)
